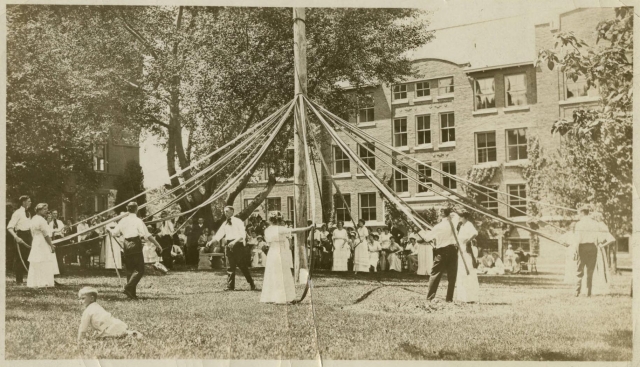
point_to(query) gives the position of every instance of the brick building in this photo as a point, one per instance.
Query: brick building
(109, 160)
(477, 102)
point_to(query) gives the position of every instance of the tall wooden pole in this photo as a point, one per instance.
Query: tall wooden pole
(300, 191)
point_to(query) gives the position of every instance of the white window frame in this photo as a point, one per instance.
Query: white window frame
(291, 207)
(452, 127)
(405, 132)
(517, 203)
(446, 90)
(266, 201)
(100, 163)
(491, 202)
(423, 131)
(524, 89)
(401, 179)
(360, 207)
(517, 145)
(591, 92)
(476, 94)
(290, 166)
(399, 93)
(341, 160)
(423, 169)
(420, 87)
(452, 183)
(339, 208)
(368, 156)
(486, 149)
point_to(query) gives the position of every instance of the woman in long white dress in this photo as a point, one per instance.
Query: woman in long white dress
(361, 252)
(395, 263)
(43, 264)
(341, 248)
(425, 255)
(112, 255)
(278, 285)
(374, 251)
(467, 287)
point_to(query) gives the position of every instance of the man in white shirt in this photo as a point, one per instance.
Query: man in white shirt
(590, 234)
(133, 230)
(20, 228)
(233, 232)
(165, 239)
(445, 254)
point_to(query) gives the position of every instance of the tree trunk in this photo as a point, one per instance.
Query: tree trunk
(258, 199)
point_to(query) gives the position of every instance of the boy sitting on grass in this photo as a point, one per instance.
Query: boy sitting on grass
(95, 317)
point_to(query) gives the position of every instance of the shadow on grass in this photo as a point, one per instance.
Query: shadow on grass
(620, 339)
(364, 296)
(415, 351)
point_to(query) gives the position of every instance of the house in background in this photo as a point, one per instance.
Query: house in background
(478, 101)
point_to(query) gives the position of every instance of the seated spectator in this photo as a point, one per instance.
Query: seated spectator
(412, 257)
(177, 255)
(258, 256)
(510, 260)
(395, 263)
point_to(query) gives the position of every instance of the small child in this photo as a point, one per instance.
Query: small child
(95, 317)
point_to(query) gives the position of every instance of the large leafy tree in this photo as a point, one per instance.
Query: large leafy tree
(595, 158)
(198, 76)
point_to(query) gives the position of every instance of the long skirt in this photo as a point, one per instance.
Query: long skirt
(112, 254)
(278, 285)
(467, 287)
(43, 264)
(361, 257)
(341, 256)
(425, 259)
(374, 257)
(394, 262)
(384, 264)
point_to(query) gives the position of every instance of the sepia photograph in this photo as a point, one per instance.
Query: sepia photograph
(310, 183)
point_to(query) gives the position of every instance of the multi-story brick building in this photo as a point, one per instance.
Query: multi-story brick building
(109, 161)
(478, 100)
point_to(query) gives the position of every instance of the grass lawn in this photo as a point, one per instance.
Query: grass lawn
(364, 316)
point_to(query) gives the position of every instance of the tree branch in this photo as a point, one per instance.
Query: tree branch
(139, 37)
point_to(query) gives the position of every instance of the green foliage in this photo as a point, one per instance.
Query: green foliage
(130, 184)
(594, 163)
(205, 72)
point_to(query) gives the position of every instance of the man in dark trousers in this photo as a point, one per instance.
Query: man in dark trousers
(20, 229)
(233, 232)
(591, 235)
(133, 230)
(192, 256)
(445, 254)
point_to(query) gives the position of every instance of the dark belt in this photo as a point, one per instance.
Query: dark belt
(133, 238)
(19, 231)
(588, 243)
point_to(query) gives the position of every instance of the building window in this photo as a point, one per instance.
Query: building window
(290, 161)
(517, 200)
(423, 129)
(486, 147)
(365, 114)
(485, 93)
(400, 132)
(400, 179)
(273, 204)
(100, 203)
(99, 157)
(519, 243)
(516, 90)
(623, 245)
(517, 144)
(424, 176)
(292, 209)
(340, 161)
(447, 127)
(423, 89)
(367, 155)
(579, 88)
(487, 198)
(399, 92)
(342, 210)
(450, 168)
(368, 206)
(445, 86)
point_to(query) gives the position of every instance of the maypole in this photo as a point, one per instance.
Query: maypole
(300, 191)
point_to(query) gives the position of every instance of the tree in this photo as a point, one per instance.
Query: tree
(209, 73)
(130, 184)
(595, 158)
